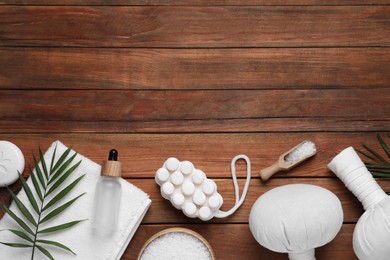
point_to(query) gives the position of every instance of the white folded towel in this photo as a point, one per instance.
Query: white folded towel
(80, 238)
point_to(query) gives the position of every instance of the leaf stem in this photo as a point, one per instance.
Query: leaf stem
(39, 219)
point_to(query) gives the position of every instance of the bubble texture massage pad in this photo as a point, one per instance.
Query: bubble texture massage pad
(190, 190)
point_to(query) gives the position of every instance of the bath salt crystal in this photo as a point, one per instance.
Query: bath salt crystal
(176, 246)
(304, 150)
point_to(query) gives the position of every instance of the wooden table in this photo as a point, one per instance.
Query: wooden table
(203, 81)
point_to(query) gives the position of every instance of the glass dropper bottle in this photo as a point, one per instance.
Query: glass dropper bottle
(108, 195)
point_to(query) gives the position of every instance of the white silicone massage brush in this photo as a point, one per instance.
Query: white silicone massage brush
(191, 191)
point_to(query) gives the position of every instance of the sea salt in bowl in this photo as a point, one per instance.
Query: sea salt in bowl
(176, 243)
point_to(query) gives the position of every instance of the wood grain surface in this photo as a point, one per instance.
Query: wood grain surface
(149, 69)
(133, 105)
(263, 125)
(202, 81)
(143, 154)
(195, 2)
(179, 26)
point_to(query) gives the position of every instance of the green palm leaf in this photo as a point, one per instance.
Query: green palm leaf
(45, 252)
(63, 178)
(384, 145)
(29, 194)
(379, 174)
(22, 208)
(43, 164)
(52, 159)
(375, 153)
(380, 171)
(60, 227)
(19, 221)
(45, 181)
(54, 243)
(21, 235)
(63, 193)
(15, 244)
(58, 210)
(366, 154)
(61, 168)
(39, 172)
(60, 160)
(35, 183)
(379, 166)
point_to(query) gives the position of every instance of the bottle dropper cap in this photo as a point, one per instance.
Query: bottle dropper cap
(112, 167)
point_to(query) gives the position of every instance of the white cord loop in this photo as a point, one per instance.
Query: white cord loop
(239, 200)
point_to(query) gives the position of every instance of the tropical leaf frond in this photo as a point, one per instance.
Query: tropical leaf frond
(29, 193)
(60, 209)
(39, 172)
(21, 235)
(47, 179)
(43, 164)
(366, 154)
(378, 166)
(36, 183)
(15, 244)
(18, 220)
(383, 144)
(22, 208)
(374, 153)
(380, 174)
(62, 193)
(57, 244)
(52, 159)
(60, 227)
(63, 178)
(61, 160)
(61, 168)
(45, 252)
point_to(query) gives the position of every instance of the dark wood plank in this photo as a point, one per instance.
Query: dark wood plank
(195, 2)
(260, 125)
(77, 68)
(123, 105)
(179, 26)
(143, 154)
(236, 242)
